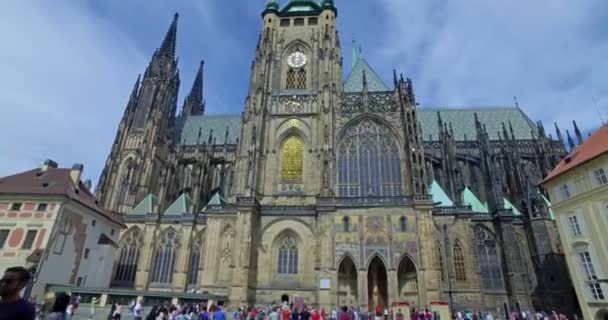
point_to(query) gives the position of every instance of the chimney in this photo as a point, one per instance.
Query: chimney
(87, 184)
(48, 163)
(76, 172)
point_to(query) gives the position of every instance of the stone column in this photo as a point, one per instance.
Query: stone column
(392, 286)
(145, 259)
(180, 274)
(362, 289)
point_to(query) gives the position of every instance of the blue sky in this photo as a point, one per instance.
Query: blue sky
(69, 66)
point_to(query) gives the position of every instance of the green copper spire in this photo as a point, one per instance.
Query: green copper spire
(272, 4)
(328, 3)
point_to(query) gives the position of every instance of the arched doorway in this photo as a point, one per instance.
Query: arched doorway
(377, 291)
(285, 299)
(347, 283)
(407, 281)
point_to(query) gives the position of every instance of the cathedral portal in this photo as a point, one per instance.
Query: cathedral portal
(377, 285)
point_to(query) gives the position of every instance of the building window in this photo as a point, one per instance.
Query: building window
(79, 282)
(600, 177)
(93, 223)
(288, 256)
(16, 206)
(165, 257)
(346, 224)
(368, 161)
(29, 239)
(298, 22)
(565, 191)
(3, 236)
(459, 265)
(86, 253)
(403, 224)
(313, 21)
(129, 257)
(439, 261)
(488, 259)
(112, 232)
(593, 284)
(291, 166)
(575, 228)
(296, 79)
(42, 207)
(285, 22)
(195, 262)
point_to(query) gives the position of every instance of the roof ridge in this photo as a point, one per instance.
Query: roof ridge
(489, 107)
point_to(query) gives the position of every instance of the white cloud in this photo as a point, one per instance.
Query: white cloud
(478, 52)
(64, 72)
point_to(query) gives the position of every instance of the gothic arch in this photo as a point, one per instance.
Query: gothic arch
(165, 256)
(369, 160)
(407, 279)
(294, 45)
(348, 291)
(287, 252)
(488, 256)
(127, 257)
(347, 256)
(378, 255)
(197, 254)
(123, 178)
(460, 263)
(284, 131)
(291, 221)
(370, 116)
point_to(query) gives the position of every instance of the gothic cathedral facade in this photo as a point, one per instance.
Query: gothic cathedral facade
(338, 191)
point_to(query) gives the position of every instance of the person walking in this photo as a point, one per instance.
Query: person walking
(60, 307)
(138, 310)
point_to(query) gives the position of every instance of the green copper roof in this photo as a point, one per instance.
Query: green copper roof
(183, 205)
(272, 4)
(354, 81)
(549, 205)
(148, 205)
(216, 201)
(469, 198)
(509, 205)
(463, 122)
(301, 6)
(208, 124)
(440, 196)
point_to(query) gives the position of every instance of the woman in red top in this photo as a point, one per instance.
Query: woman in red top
(344, 315)
(315, 315)
(285, 313)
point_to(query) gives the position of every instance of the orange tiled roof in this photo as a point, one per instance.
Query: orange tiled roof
(595, 146)
(53, 181)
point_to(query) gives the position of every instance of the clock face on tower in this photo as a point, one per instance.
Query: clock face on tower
(297, 60)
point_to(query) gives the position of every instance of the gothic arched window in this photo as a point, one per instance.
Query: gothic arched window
(368, 161)
(460, 271)
(292, 162)
(403, 224)
(126, 266)
(195, 261)
(439, 261)
(488, 259)
(288, 256)
(164, 258)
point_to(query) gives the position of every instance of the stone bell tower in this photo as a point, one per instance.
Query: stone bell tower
(286, 138)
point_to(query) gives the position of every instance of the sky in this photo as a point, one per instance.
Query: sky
(69, 66)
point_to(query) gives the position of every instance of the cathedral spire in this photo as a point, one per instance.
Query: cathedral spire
(194, 104)
(570, 141)
(577, 132)
(167, 48)
(559, 133)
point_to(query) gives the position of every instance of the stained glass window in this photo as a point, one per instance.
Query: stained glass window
(293, 152)
(459, 265)
(129, 257)
(488, 259)
(368, 161)
(164, 258)
(288, 256)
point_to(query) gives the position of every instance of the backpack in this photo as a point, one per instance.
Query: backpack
(131, 307)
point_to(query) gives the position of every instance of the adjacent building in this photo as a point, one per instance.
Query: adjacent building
(579, 189)
(52, 223)
(333, 189)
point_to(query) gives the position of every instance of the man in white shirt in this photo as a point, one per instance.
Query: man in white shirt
(138, 310)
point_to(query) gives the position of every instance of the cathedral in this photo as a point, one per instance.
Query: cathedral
(330, 189)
